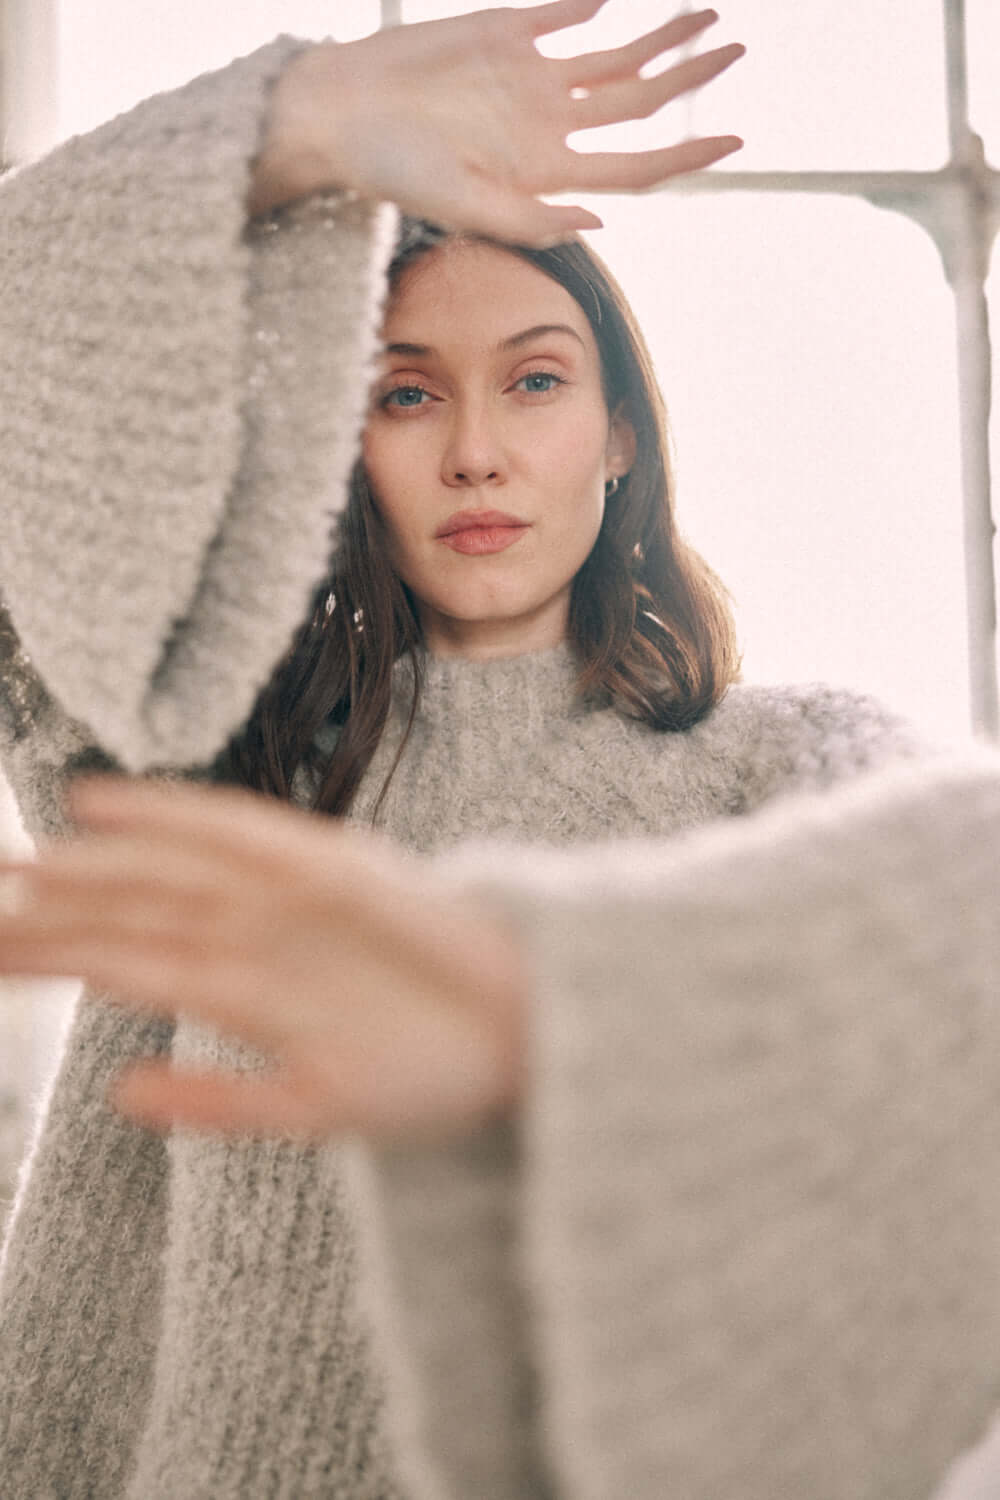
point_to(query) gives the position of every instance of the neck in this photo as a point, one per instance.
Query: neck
(497, 639)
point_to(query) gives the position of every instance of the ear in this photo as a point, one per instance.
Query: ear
(621, 444)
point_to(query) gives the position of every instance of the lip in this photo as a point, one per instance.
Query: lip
(476, 541)
(477, 520)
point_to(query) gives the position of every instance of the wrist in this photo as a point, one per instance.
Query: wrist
(306, 124)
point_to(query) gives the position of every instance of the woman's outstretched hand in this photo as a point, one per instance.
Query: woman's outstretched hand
(390, 1007)
(464, 122)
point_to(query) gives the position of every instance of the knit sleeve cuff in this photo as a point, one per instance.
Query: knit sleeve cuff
(184, 396)
(757, 1208)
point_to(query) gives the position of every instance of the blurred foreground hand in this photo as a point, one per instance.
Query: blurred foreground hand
(392, 1006)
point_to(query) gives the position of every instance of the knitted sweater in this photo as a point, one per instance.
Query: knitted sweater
(740, 1239)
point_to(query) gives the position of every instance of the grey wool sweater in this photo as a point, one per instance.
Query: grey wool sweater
(742, 1241)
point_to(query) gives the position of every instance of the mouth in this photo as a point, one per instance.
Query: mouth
(474, 541)
(480, 520)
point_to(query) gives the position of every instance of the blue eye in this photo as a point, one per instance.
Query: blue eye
(405, 390)
(541, 375)
(418, 390)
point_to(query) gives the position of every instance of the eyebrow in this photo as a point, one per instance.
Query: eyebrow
(420, 351)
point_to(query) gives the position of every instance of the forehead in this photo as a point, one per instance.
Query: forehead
(475, 296)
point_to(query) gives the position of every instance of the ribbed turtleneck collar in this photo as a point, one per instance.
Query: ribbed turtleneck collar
(490, 748)
(533, 690)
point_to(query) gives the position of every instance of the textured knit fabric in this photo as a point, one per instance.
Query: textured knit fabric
(741, 1238)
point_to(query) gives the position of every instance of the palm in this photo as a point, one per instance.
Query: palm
(466, 122)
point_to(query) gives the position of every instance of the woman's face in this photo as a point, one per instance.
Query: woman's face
(477, 414)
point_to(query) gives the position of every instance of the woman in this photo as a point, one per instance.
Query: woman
(511, 1171)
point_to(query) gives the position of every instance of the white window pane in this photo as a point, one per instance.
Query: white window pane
(983, 23)
(824, 85)
(806, 351)
(113, 53)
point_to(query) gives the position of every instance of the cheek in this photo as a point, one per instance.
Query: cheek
(387, 474)
(373, 457)
(576, 446)
(578, 469)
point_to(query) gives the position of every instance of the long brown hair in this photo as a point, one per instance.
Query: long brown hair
(649, 619)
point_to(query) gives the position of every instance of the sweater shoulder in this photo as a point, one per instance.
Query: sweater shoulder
(783, 738)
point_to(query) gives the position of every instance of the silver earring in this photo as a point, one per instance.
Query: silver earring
(611, 488)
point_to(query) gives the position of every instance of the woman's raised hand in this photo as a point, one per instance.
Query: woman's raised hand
(464, 122)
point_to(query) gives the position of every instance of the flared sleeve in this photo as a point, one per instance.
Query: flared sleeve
(757, 1222)
(183, 396)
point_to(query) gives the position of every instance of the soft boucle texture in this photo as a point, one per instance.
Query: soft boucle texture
(789, 1143)
(151, 360)
(741, 1238)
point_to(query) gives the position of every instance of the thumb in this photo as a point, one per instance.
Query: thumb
(509, 214)
(560, 224)
(539, 225)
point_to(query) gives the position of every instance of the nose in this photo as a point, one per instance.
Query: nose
(472, 453)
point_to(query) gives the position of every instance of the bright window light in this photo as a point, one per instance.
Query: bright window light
(805, 344)
(112, 53)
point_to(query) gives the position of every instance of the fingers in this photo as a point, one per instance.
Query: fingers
(156, 938)
(112, 865)
(595, 68)
(644, 96)
(510, 215)
(158, 975)
(121, 886)
(557, 15)
(215, 822)
(161, 1096)
(636, 171)
(543, 226)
